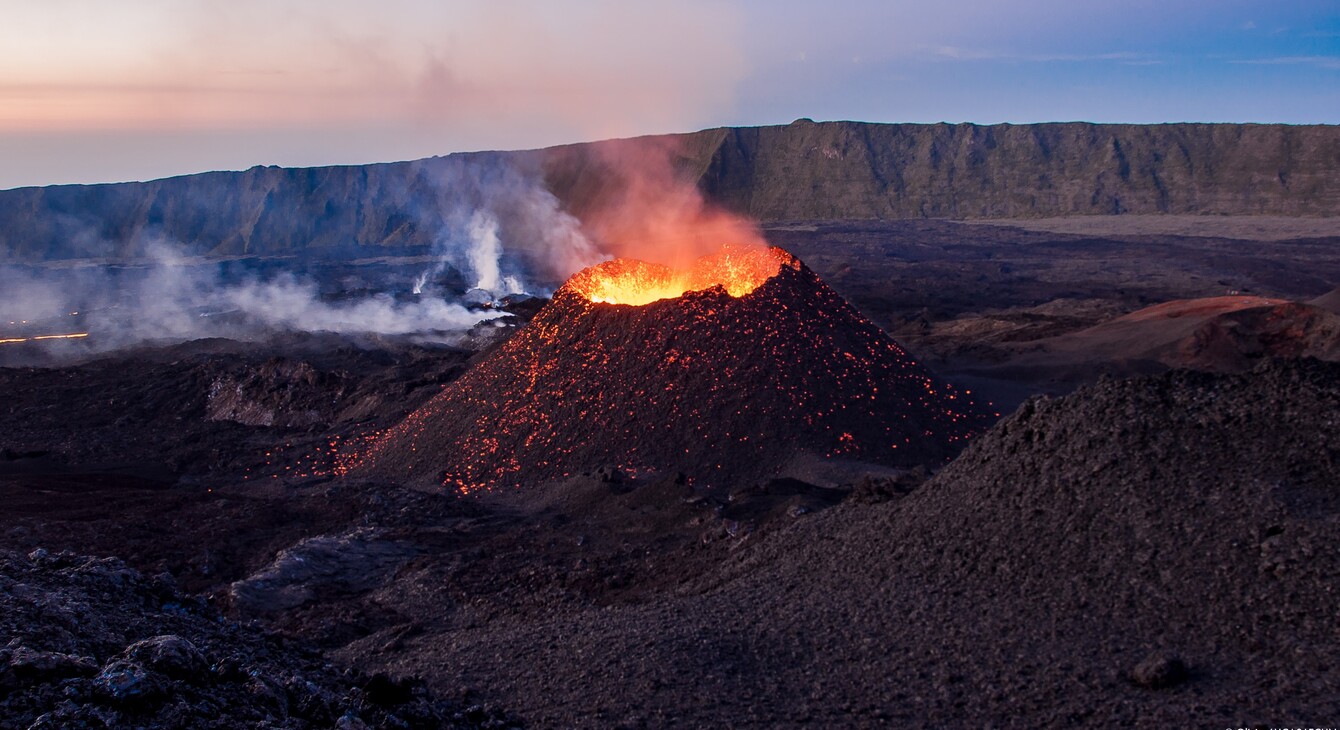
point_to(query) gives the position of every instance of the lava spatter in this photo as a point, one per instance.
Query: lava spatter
(752, 363)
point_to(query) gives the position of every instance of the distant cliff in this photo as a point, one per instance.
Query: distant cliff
(848, 170)
(803, 170)
(264, 210)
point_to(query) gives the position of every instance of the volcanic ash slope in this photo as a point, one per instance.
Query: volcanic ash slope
(1057, 573)
(717, 386)
(1186, 516)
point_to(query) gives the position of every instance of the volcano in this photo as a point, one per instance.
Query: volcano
(724, 371)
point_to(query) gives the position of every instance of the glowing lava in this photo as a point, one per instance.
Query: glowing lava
(74, 336)
(739, 270)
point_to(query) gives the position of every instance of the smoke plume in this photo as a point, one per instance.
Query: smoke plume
(502, 229)
(654, 210)
(168, 298)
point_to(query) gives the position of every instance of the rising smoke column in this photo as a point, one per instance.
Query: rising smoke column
(639, 198)
(485, 254)
(502, 229)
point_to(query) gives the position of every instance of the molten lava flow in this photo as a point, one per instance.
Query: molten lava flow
(738, 270)
(75, 336)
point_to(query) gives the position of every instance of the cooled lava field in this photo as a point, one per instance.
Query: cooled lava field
(1084, 479)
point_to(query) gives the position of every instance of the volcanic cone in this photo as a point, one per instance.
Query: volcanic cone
(724, 371)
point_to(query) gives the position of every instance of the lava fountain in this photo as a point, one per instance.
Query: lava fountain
(737, 269)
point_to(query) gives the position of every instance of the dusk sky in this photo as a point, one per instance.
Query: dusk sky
(95, 91)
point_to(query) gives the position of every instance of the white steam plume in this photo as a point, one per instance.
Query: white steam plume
(484, 256)
(169, 298)
(502, 228)
(293, 305)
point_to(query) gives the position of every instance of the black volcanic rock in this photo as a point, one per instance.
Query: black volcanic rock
(718, 387)
(93, 643)
(1159, 671)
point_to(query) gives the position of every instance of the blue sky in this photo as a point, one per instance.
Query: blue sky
(95, 91)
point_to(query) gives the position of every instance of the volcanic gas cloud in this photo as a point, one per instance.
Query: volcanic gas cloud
(725, 370)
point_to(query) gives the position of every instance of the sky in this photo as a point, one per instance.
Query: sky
(97, 91)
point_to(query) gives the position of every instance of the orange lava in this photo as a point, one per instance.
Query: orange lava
(75, 336)
(737, 269)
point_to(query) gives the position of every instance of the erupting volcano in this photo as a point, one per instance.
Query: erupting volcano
(724, 370)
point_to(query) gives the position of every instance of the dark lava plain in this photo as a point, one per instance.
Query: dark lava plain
(1156, 548)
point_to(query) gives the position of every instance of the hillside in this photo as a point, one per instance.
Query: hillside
(805, 170)
(1147, 552)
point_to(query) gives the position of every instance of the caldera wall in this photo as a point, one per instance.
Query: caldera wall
(837, 170)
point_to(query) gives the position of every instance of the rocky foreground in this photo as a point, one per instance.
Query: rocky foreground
(95, 644)
(1157, 551)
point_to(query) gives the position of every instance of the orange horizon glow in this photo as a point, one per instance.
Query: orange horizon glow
(142, 66)
(737, 269)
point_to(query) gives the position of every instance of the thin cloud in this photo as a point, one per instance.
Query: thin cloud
(1330, 62)
(953, 53)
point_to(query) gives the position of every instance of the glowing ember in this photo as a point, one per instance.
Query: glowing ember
(738, 270)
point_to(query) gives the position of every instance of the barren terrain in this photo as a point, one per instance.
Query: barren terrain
(1151, 550)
